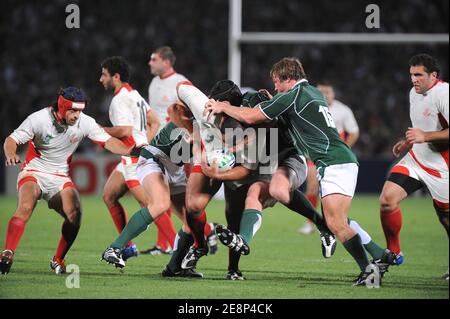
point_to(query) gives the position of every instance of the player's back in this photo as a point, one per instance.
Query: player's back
(129, 108)
(430, 113)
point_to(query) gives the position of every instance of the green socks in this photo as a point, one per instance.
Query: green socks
(183, 242)
(136, 225)
(356, 249)
(250, 224)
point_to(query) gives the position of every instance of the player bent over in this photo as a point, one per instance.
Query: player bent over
(53, 134)
(305, 116)
(424, 152)
(164, 182)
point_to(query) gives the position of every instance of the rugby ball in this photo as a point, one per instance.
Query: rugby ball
(223, 159)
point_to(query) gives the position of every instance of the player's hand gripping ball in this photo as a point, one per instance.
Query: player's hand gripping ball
(223, 159)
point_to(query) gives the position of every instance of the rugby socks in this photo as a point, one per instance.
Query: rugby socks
(181, 247)
(197, 226)
(137, 224)
(166, 231)
(355, 248)
(69, 234)
(372, 247)
(301, 205)
(16, 227)
(250, 223)
(208, 229)
(313, 199)
(120, 218)
(392, 223)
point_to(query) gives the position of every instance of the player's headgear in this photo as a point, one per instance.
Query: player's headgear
(70, 98)
(226, 90)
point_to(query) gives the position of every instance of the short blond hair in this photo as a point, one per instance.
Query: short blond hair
(288, 69)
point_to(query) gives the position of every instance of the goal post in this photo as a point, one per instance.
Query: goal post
(237, 37)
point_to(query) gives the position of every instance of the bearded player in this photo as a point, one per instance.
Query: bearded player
(53, 134)
(423, 152)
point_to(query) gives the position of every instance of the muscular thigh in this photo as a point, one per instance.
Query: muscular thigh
(200, 189)
(115, 185)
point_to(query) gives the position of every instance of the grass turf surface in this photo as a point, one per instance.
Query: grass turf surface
(283, 263)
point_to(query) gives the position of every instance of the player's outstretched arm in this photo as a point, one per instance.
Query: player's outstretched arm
(246, 115)
(119, 131)
(10, 149)
(115, 146)
(153, 125)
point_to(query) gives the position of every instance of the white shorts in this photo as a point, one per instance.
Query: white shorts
(437, 186)
(50, 184)
(174, 176)
(338, 179)
(127, 167)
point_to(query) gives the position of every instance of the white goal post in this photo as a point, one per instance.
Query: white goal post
(237, 37)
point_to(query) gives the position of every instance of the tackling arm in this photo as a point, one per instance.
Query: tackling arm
(246, 115)
(119, 131)
(153, 125)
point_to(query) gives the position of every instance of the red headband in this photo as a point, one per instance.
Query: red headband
(66, 104)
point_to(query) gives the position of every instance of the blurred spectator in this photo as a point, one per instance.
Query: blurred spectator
(39, 54)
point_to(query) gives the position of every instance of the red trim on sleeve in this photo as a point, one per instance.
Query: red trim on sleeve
(430, 171)
(26, 179)
(128, 141)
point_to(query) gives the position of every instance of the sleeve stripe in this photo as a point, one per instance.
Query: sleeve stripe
(261, 109)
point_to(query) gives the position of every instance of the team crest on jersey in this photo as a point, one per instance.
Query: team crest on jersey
(47, 138)
(73, 139)
(427, 112)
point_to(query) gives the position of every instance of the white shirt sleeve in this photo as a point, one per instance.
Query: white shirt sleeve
(350, 124)
(96, 133)
(25, 132)
(119, 114)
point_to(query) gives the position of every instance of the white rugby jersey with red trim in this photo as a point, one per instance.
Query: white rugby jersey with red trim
(162, 93)
(429, 112)
(129, 108)
(344, 118)
(50, 151)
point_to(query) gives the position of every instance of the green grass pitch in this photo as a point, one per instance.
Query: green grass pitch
(283, 263)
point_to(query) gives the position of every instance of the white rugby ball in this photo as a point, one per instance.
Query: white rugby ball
(225, 160)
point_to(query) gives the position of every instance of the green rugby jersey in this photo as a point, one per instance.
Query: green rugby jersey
(304, 113)
(171, 140)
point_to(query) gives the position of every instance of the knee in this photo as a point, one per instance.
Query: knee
(388, 203)
(194, 206)
(279, 193)
(109, 198)
(336, 226)
(24, 212)
(159, 208)
(73, 215)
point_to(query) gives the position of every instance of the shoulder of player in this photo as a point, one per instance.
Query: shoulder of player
(441, 88)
